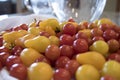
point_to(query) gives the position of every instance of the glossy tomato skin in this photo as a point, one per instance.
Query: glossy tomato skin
(3, 57)
(66, 50)
(1, 65)
(113, 45)
(16, 50)
(43, 59)
(81, 35)
(114, 56)
(24, 26)
(1, 40)
(96, 32)
(12, 60)
(16, 28)
(61, 62)
(4, 49)
(46, 34)
(107, 77)
(52, 52)
(66, 39)
(19, 71)
(61, 74)
(69, 29)
(110, 34)
(96, 38)
(104, 27)
(80, 45)
(72, 66)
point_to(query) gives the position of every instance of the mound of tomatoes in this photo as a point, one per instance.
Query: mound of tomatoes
(50, 50)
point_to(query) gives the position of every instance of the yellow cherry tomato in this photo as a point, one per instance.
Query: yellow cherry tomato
(40, 71)
(34, 30)
(38, 43)
(20, 41)
(49, 30)
(100, 46)
(87, 72)
(53, 23)
(54, 40)
(29, 55)
(111, 68)
(105, 21)
(94, 58)
(10, 37)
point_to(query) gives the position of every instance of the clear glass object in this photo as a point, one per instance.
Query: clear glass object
(79, 10)
(38, 6)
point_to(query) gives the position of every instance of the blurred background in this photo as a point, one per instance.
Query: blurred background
(112, 9)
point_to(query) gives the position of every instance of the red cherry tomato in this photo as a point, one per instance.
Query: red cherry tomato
(18, 71)
(61, 74)
(12, 60)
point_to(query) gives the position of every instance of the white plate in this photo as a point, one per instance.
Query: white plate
(15, 21)
(4, 75)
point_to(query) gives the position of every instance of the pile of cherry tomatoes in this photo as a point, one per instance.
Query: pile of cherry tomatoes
(50, 50)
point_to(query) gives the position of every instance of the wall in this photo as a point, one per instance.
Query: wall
(110, 6)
